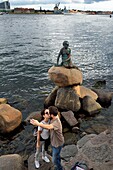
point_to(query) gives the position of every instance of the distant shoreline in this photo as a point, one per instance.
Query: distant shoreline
(85, 13)
(53, 12)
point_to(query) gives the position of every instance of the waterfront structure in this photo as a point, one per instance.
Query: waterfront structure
(65, 11)
(24, 10)
(56, 9)
(5, 5)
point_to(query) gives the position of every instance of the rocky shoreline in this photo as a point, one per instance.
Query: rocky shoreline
(94, 150)
(75, 103)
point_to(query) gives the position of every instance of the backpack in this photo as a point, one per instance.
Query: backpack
(80, 166)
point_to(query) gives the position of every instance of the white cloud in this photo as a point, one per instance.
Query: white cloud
(73, 4)
(55, 1)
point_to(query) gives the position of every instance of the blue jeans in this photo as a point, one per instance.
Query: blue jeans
(56, 157)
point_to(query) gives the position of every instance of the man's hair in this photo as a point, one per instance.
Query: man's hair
(53, 110)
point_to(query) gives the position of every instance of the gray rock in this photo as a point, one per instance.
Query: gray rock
(100, 84)
(34, 115)
(43, 165)
(69, 151)
(50, 100)
(85, 139)
(95, 150)
(68, 100)
(90, 105)
(11, 162)
(70, 138)
(104, 97)
(69, 117)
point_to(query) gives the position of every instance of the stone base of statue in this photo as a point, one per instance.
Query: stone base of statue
(63, 76)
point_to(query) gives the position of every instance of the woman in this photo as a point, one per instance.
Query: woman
(43, 140)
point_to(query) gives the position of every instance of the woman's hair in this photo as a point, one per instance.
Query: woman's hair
(43, 113)
(53, 110)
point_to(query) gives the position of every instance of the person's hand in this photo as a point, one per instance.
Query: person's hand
(34, 122)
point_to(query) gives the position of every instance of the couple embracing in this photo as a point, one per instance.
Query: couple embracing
(56, 136)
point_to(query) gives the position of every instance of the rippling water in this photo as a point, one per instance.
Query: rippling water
(29, 45)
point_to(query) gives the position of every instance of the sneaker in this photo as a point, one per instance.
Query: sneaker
(37, 165)
(45, 159)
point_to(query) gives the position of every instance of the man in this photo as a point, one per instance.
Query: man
(56, 136)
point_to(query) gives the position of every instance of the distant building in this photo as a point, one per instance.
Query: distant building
(5, 5)
(56, 9)
(24, 10)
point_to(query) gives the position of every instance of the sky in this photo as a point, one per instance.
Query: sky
(98, 5)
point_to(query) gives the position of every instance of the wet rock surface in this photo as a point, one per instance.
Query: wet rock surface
(43, 164)
(62, 76)
(12, 161)
(10, 118)
(95, 150)
(21, 141)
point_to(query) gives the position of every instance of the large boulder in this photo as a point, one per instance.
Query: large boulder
(10, 118)
(95, 150)
(50, 100)
(66, 99)
(34, 115)
(11, 162)
(104, 97)
(68, 151)
(90, 106)
(98, 151)
(62, 76)
(3, 100)
(69, 117)
(84, 91)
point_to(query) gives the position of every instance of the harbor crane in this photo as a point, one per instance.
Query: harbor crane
(57, 5)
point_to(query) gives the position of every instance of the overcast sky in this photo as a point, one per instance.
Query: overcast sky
(103, 5)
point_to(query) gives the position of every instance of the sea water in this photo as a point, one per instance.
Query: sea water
(29, 46)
